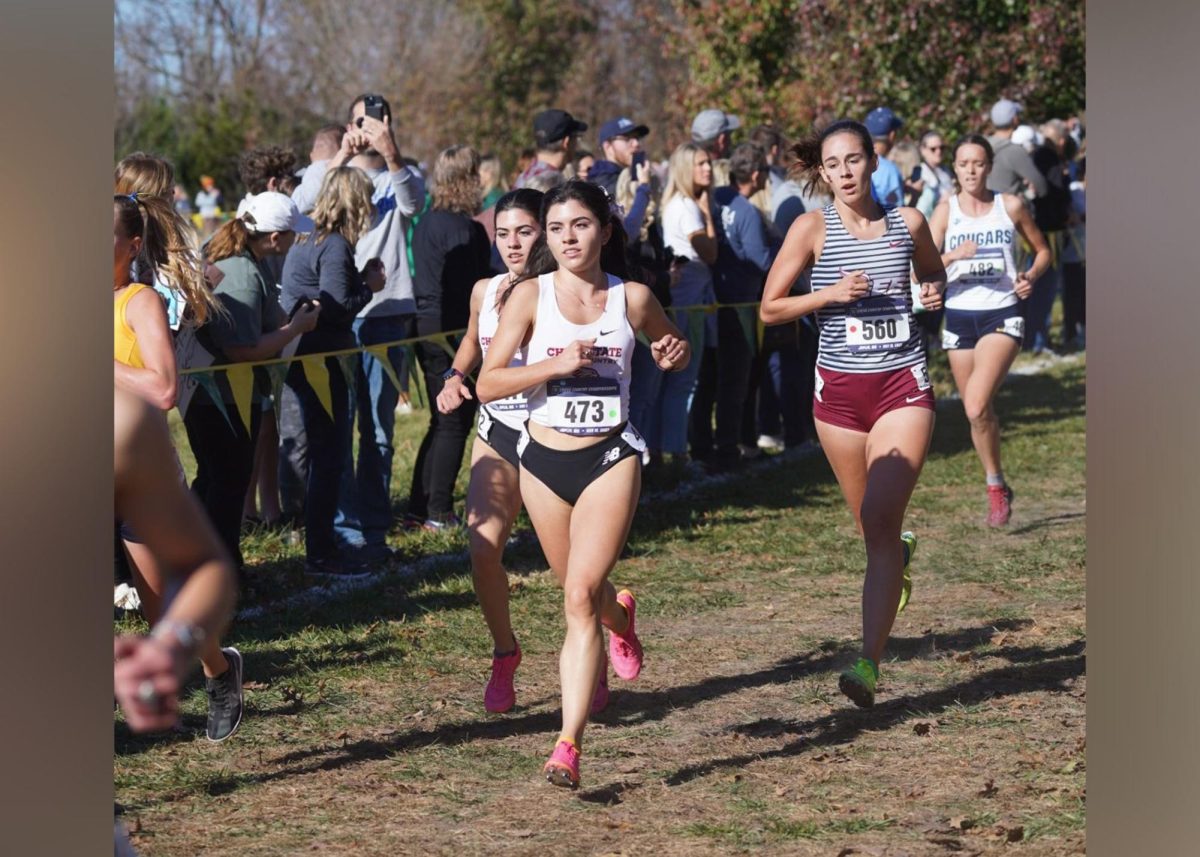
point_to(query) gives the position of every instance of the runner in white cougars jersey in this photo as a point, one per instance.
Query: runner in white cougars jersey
(580, 459)
(977, 230)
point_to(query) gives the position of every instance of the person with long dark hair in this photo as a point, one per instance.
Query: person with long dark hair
(580, 469)
(874, 404)
(494, 493)
(977, 230)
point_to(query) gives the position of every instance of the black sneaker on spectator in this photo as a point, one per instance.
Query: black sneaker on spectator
(225, 698)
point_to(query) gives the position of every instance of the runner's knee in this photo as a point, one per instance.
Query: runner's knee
(582, 600)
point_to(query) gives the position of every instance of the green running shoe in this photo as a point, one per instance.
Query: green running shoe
(909, 540)
(858, 682)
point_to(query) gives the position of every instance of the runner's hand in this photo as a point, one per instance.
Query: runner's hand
(141, 661)
(966, 250)
(931, 296)
(574, 357)
(850, 288)
(454, 393)
(670, 352)
(1022, 285)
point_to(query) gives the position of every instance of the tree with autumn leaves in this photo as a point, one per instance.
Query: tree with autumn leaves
(199, 81)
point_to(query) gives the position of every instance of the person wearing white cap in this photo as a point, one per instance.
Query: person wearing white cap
(712, 131)
(1012, 167)
(252, 328)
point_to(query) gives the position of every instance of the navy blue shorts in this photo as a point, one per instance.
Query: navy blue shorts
(965, 327)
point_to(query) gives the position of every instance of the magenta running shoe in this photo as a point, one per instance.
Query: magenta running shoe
(625, 650)
(600, 698)
(563, 767)
(499, 695)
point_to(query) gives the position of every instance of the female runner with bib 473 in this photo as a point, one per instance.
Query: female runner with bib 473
(874, 406)
(580, 459)
(978, 230)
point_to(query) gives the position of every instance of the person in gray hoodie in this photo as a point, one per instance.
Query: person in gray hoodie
(364, 506)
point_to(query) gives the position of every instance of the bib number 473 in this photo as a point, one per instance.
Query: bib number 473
(584, 411)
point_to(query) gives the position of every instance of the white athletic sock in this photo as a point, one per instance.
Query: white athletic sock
(995, 478)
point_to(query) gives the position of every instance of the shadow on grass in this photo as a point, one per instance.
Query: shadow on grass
(1047, 672)
(1032, 669)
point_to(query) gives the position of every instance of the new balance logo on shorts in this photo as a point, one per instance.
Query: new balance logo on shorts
(610, 456)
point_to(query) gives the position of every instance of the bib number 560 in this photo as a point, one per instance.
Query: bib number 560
(883, 328)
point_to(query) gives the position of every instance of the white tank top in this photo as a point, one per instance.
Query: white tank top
(985, 281)
(512, 411)
(595, 400)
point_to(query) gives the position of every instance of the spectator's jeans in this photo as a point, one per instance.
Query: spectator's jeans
(723, 380)
(670, 420)
(440, 456)
(224, 463)
(1074, 300)
(1037, 307)
(329, 443)
(364, 513)
(645, 389)
(293, 453)
(786, 385)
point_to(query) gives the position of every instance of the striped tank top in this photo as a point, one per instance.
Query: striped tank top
(877, 333)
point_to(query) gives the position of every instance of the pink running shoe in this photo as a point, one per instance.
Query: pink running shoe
(600, 699)
(499, 695)
(563, 767)
(624, 650)
(999, 505)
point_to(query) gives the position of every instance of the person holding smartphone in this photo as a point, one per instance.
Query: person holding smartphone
(364, 504)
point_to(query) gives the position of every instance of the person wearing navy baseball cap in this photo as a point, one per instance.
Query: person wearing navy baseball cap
(554, 133)
(887, 185)
(621, 142)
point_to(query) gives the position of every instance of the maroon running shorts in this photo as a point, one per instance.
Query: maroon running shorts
(856, 401)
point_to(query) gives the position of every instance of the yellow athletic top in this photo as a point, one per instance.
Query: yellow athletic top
(125, 346)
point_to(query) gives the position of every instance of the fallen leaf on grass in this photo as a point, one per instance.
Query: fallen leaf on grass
(924, 727)
(964, 657)
(1008, 834)
(962, 822)
(988, 790)
(254, 685)
(1071, 767)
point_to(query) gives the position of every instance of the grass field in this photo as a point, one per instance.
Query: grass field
(365, 731)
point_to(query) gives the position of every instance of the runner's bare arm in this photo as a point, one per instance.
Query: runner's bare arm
(1018, 212)
(671, 350)
(157, 383)
(799, 251)
(927, 261)
(454, 391)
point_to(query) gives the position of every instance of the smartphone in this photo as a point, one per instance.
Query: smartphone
(916, 174)
(373, 107)
(639, 158)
